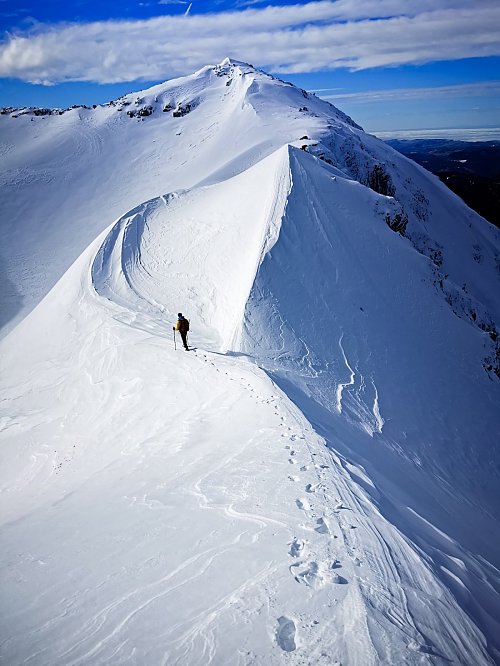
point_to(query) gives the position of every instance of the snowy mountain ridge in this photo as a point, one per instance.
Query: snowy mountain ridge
(316, 481)
(125, 160)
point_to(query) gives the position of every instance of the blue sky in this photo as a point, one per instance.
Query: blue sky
(390, 64)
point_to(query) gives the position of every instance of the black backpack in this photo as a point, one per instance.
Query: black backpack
(183, 325)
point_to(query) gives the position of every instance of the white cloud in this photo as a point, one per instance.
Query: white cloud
(466, 90)
(357, 34)
(248, 3)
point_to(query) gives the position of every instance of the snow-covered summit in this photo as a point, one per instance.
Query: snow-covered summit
(110, 158)
(209, 87)
(316, 480)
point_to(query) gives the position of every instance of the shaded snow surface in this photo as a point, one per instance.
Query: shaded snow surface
(316, 481)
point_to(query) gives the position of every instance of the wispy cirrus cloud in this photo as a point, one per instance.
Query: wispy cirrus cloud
(466, 90)
(316, 36)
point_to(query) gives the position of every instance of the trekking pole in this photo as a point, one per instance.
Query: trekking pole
(175, 343)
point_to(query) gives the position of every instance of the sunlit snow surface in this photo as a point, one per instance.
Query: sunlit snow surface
(316, 482)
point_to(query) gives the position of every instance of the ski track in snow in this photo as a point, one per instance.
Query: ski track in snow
(208, 507)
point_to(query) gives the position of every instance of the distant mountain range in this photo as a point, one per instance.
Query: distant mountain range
(470, 169)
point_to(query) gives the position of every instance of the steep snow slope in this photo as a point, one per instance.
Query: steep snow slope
(349, 307)
(387, 372)
(148, 255)
(316, 482)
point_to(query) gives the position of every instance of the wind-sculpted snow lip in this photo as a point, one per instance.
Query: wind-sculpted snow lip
(137, 268)
(119, 257)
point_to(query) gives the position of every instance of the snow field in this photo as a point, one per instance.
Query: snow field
(174, 517)
(315, 481)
